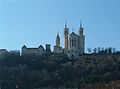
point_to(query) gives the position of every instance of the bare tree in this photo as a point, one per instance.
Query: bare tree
(95, 50)
(89, 50)
(113, 49)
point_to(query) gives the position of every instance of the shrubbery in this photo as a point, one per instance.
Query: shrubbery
(54, 71)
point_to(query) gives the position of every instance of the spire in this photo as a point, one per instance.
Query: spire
(81, 28)
(80, 23)
(57, 33)
(65, 23)
(57, 38)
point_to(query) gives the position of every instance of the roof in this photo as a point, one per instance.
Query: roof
(73, 35)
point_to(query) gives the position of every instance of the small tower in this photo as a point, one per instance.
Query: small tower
(48, 48)
(66, 33)
(82, 39)
(58, 40)
(24, 49)
(57, 48)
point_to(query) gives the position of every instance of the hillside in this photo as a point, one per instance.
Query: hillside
(90, 71)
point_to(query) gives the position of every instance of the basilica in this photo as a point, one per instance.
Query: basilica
(74, 44)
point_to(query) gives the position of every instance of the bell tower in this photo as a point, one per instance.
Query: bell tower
(66, 33)
(58, 40)
(81, 39)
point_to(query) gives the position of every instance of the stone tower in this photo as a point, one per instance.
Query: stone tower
(66, 33)
(82, 39)
(57, 48)
(57, 40)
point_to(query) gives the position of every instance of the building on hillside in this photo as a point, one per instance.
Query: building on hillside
(74, 44)
(33, 51)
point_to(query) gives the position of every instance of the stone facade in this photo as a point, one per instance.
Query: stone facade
(74, 44)
(48, 48)
(33, 51)
(57, 48)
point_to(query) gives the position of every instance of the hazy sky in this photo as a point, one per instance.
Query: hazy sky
(36, 22)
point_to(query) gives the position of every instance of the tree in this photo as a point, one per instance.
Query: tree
(98, 49)
(89, 50)
(109, 50)
(95, 50)
(113, 49)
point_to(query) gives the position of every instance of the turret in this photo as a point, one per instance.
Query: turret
(24, 49)
(66, 33)
(58, 40)
(48, 48)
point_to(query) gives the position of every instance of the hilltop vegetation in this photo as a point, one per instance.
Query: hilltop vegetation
(95, 70)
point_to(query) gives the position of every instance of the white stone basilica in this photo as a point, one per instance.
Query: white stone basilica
(74, 44)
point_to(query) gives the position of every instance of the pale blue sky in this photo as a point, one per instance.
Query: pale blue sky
(36, 22)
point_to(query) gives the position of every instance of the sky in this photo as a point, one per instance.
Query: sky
(36, 22)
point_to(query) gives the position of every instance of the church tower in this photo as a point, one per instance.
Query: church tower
(66, 33)
(82, 39)
(57, 48)
(58, 40)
